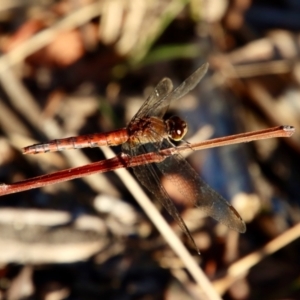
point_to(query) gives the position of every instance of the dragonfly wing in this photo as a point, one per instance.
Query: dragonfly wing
(199, 193)
(147, 174)
(149, 178)
(162, 104)
(163, 88)
(161, 96)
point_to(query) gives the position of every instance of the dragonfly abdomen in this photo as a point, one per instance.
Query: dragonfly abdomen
(112, 138)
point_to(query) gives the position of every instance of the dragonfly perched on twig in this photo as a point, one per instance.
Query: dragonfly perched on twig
(148, 133)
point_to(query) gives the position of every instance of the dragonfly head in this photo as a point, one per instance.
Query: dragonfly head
(177, 128)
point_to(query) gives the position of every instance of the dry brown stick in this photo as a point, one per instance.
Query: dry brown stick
(241, 268)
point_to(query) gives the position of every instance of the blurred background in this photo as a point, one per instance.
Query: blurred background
(78, 67)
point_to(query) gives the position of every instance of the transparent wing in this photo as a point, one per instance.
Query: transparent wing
(199, 193)
(160, 98)
(148, 175)
(161, 106)
(163, 88)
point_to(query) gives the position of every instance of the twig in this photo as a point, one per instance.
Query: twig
(241, 267)
(164, 228)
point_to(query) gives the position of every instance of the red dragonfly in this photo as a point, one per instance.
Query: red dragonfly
(148, 132)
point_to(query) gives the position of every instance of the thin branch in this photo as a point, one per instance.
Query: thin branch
(125, 161)
(242, 266)
(166, 231)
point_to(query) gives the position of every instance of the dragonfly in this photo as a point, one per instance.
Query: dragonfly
(149, 132)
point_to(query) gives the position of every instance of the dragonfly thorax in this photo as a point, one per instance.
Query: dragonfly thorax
(177, 128)
(147, 130)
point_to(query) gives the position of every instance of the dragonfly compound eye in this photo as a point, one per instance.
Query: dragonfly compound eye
(177, 128)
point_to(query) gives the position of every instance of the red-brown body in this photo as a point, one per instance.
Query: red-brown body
(112, 138)
(142, 131)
